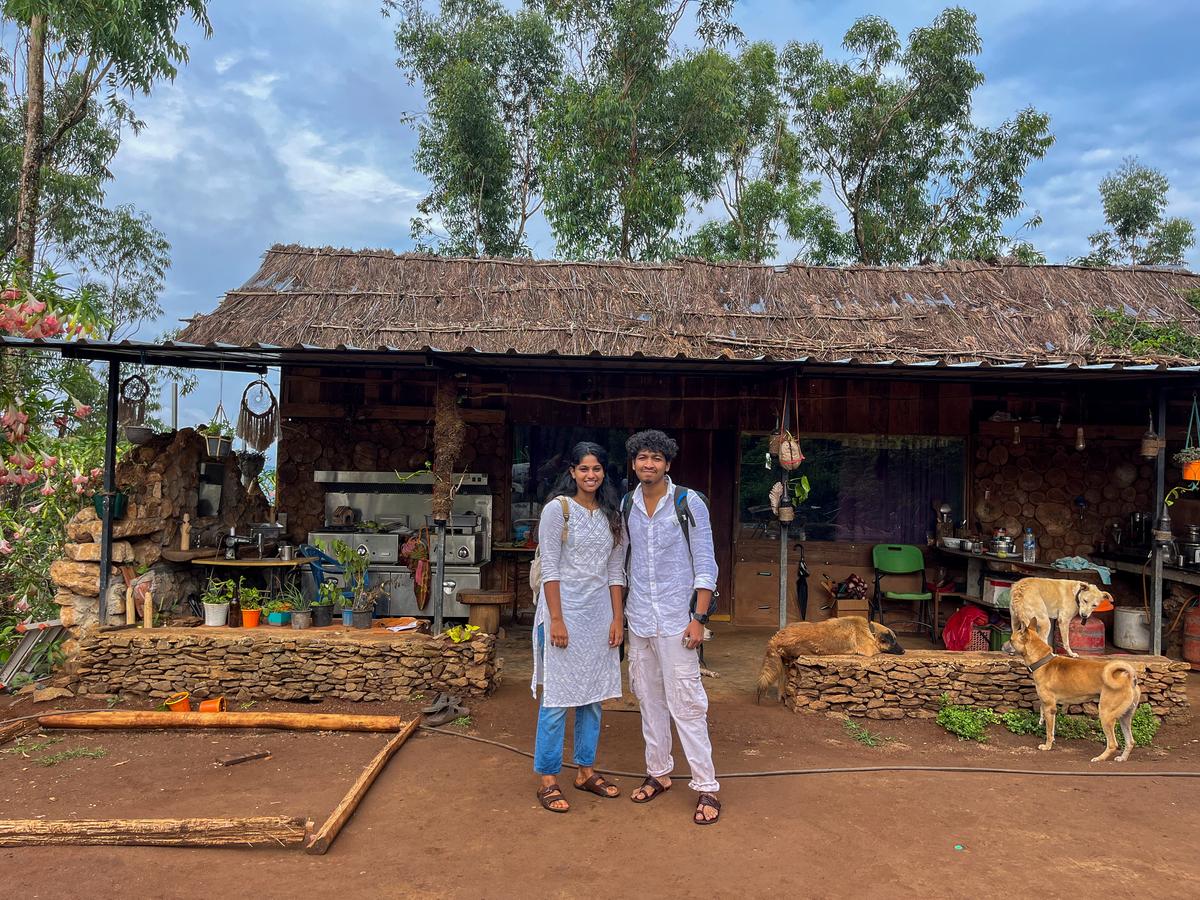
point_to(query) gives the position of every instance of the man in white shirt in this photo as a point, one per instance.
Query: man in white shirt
(667, 565)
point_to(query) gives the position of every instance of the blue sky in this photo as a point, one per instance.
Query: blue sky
(286, 126)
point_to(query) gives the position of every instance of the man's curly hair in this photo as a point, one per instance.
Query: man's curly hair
(654, 441)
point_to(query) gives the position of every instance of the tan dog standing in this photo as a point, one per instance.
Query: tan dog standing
(849, 635)
(1038, 600)
(1062, 680)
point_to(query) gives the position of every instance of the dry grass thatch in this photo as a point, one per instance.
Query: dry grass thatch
(956, 313)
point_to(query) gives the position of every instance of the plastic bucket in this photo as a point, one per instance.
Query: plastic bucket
(1131, 628)
(250, 617)
(179, 702)
(217, 704)
(216, 614)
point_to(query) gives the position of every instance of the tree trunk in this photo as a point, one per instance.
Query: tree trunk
(30, 185)
(287, 721)
(448, 435)
(259, 831)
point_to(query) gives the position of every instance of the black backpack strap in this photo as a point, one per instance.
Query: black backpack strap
(626, 509)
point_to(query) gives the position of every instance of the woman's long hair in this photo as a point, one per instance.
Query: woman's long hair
(606, 496)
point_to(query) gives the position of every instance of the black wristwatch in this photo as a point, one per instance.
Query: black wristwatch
(702, 618)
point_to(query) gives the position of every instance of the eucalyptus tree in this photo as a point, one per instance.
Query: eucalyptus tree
(1134, 198)
(891, 131)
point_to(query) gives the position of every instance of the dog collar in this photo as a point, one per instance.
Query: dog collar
(1033, 667)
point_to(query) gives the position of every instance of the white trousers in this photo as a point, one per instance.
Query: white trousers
(665, 676)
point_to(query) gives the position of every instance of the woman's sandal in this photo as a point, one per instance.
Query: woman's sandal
(654, 786)
(712, 803)
(550, 794)
(596, 785)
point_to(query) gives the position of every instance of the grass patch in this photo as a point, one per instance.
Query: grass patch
(967, 723)
(78, 753)
(1084, 728)
(462, 722)
(864, 736)
(26, 746)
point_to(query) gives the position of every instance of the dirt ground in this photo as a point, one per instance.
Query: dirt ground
(455, 818)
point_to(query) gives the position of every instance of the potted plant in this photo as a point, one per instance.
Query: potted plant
(322, 608)
(278, 612)
(120, 504)
(363, 607)
(1188, 459)
(300, 605)
(251, 600)
(216, 599)
(218, 438)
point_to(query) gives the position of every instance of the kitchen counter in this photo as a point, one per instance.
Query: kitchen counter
(1136, 564)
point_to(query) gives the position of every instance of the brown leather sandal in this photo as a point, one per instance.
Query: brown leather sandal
(596, 785)
(655, 786)
(548, 795)
(712, 803)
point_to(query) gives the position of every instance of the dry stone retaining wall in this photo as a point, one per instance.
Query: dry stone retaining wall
(911, 686)
(284, 665)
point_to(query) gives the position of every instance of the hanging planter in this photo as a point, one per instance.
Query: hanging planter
(1191, 470)
(1188, 458)
(790, 455)
(120, 504)
(218, 445)
(1151, 442)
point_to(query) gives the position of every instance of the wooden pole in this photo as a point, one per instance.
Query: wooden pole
(1160, 478)
(14, 730)
(259, 831)
(286, 721)
(320, 842)
(110, 487)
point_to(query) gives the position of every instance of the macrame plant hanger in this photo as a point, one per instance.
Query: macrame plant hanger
(131, 404)
(258, 427)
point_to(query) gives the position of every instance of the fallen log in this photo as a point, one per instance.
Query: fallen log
(321, 841)
(260, 831)
(14, 730)
(283, 720)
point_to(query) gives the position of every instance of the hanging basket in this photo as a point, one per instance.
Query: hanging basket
(1191, 470)
(790, 455)
(218, 445)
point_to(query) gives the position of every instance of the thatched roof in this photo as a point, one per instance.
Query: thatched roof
(963, 312)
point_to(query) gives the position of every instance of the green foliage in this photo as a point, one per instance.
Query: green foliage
(1083, 728)
(864, 736)
(218, 591)
(486, 73)
(890, 129)
(1135, 201)
(462, 722)
(76, 753)
(969, 723)
(1120, 331)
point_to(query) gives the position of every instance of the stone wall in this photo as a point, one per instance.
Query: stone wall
(1035, 484)
(311, 445)
(161, 479)
(911, 686)
(282, 664)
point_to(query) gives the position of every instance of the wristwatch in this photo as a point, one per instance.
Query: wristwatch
(702, 618)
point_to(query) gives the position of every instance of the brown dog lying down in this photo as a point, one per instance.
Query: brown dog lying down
(1042, 599)
(1059, 679)
(850, 635)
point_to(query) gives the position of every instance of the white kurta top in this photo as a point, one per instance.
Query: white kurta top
(587, 670)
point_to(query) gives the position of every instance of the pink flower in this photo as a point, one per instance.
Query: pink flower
(82, 410)
(5, 547)
(96, 472)
(79, 479)
(46, 489)
(22, 605)
(79, 488)
(51, 326)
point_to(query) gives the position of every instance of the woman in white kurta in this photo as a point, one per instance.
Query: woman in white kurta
(579, 622)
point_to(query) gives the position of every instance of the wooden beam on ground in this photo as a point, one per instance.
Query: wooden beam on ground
(287, 721)
(260, 831)
(321, 841)
(244, 758)
(14, 730)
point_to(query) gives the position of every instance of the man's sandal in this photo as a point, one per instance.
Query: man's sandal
(598, 786)
(650, 789)
(551, 794)
(712, 803)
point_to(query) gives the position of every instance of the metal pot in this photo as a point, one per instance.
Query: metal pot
(287, 552)
(1190, 554)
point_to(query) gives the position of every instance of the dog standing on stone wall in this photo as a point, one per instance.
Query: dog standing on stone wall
(849, 635)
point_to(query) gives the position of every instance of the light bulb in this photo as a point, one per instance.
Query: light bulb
(1080, 441)
(1016, 434)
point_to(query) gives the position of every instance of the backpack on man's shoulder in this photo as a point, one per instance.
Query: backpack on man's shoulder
(535, 567)
(683, 513)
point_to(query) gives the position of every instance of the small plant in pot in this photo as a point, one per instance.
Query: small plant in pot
(1188, 459)
(218, 438)
(216, 599)
(278, 612)
(251, 600)
(322, 608)
(300, 605)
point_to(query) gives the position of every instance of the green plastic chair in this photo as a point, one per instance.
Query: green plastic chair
(900, 559)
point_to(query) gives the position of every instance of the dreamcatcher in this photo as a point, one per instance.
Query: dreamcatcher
(131, 403)
(258, 419)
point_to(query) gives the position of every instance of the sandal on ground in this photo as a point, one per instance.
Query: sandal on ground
(551, 794)
(440, 702)
(712, 803)
(650, 788)
(598, 786)
(454, 710)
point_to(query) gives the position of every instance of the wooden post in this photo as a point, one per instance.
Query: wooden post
(14, 730)
(449, 433)
(110, 487)
(321, 841)
(259, 831)
(118, 719)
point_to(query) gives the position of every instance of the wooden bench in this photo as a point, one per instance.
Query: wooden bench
(485, 608)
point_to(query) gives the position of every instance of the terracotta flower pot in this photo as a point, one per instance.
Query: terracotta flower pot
(250, 617)
(1191, 471)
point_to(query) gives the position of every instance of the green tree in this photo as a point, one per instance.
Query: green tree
(86, 47)
(1134, 198)
(635, 131)
(890, 129)
(763, 187)
(485, 73)
(125, 259)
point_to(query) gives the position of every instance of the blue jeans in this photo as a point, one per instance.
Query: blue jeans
(552, 729)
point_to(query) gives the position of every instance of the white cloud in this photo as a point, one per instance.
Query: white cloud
(226, 62)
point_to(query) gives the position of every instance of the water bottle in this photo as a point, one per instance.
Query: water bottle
(1029, 551)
